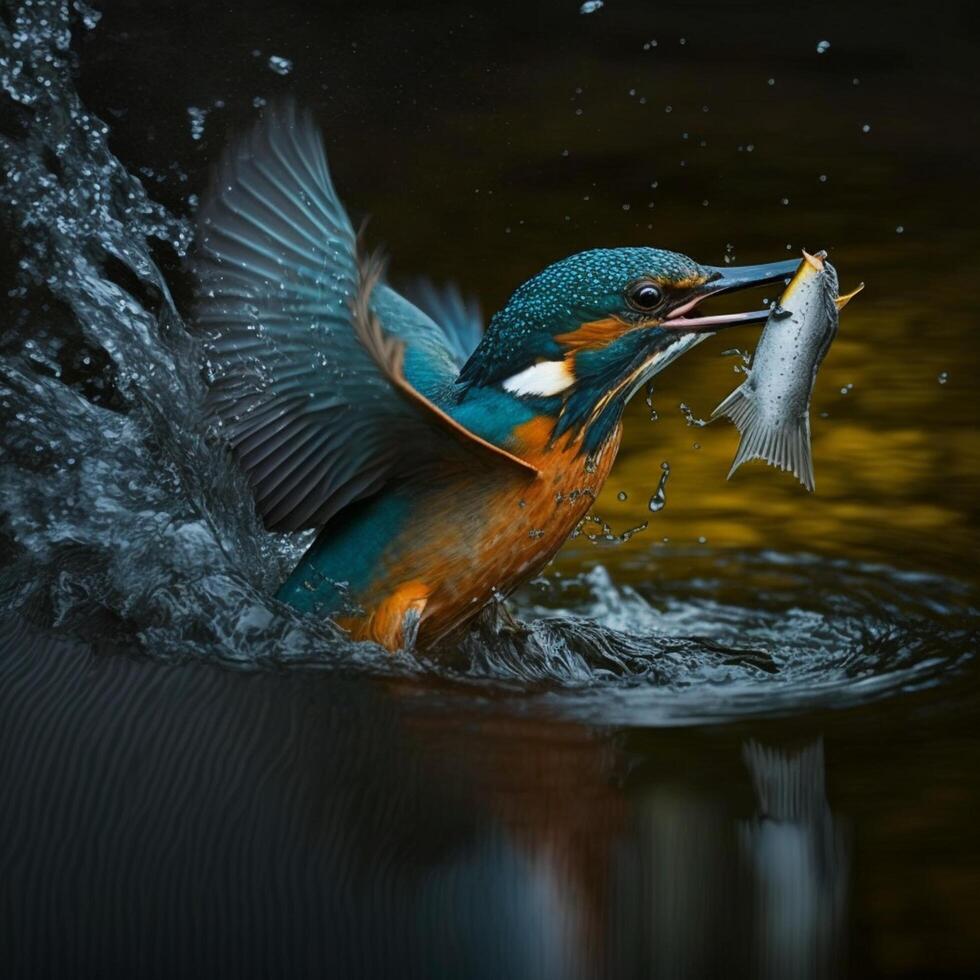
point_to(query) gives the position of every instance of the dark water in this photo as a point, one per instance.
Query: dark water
(743, 742)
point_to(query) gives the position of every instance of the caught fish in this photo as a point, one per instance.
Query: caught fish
(772, 408)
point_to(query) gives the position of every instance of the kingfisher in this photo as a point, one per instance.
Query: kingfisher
(440, 464)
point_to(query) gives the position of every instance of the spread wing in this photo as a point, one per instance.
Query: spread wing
(458, 316)
(323, 380)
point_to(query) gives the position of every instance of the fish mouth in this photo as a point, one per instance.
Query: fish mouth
(727, 280)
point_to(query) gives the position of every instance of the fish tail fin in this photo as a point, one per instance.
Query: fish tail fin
(785, 446)
(736, 406)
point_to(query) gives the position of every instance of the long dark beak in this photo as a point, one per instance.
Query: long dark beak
(727, 280)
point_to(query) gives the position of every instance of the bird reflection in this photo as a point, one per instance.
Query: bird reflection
(798, 856)
(700, 893)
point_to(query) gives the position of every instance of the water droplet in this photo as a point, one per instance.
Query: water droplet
(197, 119)
(943, 377)
(658, 499)
(702, 539)
(621, 496)
(823, 178)
(744, 356)
(280, 65)
(626, 535)
(866, 128)
(823, 46)
(689, 416)
(771, 81)
(899, 229)
(591, 6)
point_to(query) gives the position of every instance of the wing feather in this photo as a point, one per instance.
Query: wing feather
(458, 317)
(307, 379)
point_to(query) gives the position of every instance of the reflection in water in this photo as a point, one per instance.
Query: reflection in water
(799, 860)
(700, 893)
(161, 821)
(677, 909)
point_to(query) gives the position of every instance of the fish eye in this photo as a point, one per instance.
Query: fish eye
(644, 296)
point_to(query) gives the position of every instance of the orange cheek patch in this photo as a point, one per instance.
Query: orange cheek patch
(594, 334)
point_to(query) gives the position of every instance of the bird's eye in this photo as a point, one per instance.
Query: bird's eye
(645, 296)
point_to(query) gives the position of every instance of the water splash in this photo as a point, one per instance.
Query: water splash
(126, 518)
(599, 531)
(745, 357)
(818, 632)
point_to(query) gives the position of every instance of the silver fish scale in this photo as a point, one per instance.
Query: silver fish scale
(790, 350)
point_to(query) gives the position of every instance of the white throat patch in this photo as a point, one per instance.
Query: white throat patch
(544, 379)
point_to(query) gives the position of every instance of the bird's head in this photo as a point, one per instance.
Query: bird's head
(581, 337)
